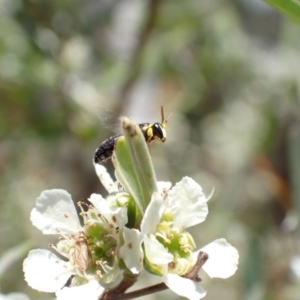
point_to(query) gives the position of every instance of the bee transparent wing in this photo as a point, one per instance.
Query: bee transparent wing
(110, 121)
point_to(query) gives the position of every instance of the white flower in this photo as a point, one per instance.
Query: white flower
(90, 250)
(106, 180)
(168, 248)
(14, 296)
(91, 290)
(294, 268)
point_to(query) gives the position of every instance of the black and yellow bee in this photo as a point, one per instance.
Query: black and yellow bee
(151, 131)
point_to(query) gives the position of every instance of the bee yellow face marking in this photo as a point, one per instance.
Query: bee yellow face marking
(149, 133)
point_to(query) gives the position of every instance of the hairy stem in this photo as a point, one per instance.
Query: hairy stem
(118, 292)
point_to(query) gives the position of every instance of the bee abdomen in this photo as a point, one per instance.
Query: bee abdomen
(106, 149)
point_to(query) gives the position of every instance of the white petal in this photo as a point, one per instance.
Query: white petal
(188, 203)
(152, 214)
(295, 267)
(156, 253)
(91, 291)
(106, 180)
(114, 215)
(223, 259)
(210, 194)
(131, 251)
(184, 287)
(163, 186)
(55, 210)
(14, 296)
(44, 271)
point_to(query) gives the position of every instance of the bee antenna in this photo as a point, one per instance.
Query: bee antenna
(168, 117)
(162, 114)
(163, 120)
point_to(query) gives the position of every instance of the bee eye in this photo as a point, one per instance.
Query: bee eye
(157, 131)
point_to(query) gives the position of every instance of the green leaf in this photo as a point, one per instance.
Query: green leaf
(289, 7)
(152, 268)
(125, 169)
(132, 213)
(133, 164)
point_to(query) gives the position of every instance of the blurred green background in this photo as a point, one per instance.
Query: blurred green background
(230, 73)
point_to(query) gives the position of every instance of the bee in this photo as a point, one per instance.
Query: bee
(152, 132)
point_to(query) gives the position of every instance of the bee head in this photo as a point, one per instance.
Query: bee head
(159, 132)
(156, 131)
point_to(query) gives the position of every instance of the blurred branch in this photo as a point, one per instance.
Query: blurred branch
(134, 66)
(136, 294)
(118, 292)
(273, 181)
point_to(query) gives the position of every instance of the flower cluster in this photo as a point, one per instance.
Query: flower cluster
(88, 252)
(91, 254)
(119, 235)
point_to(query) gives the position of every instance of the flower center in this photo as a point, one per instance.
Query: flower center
(179, 244)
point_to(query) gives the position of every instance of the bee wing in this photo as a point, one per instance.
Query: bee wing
(109, 120)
